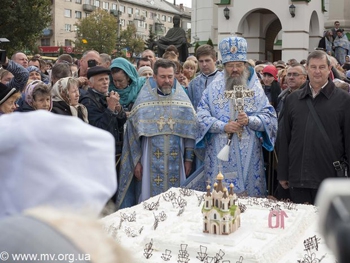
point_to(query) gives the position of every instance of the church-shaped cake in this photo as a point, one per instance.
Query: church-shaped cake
(221, 214)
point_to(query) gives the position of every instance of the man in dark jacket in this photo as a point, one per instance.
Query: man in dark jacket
(305, 159)
(104, 110)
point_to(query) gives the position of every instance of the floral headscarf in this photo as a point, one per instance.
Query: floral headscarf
(29, 91)
(60, 93)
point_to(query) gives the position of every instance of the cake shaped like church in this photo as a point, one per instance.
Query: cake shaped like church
(221, 214)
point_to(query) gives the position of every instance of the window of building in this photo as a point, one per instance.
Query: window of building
(163, 17)
(87, 2)
(97, 3)
(67, 27)
(170, 19)
(131, 22)
(67, 13)
(78, 1)
(113, 7)
(77, 14)
(130, 10)
(105, 5)
(87, 14)
(137, 11)
(68, 0)
(45, 41)
(122, 22)
(141, 24)
(68, 42)
(122, 8)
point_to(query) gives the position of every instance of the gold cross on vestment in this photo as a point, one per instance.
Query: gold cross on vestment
(171, 123)
(173, 180)
(158, 153)
(173, 154)
(161, 123)
(158, 180)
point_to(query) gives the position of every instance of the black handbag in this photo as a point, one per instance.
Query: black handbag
(341, 167)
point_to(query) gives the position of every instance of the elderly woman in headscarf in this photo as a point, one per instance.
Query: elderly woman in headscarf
(37, 96)
(34, 73)
(65, 94)
(8, 97)
(125, 81)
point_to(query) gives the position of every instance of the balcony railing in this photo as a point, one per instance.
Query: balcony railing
(88, 8)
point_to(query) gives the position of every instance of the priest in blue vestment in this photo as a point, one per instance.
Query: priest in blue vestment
(252, 127)
(159, 138)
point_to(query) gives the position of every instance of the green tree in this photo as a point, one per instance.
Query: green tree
(196, 46)
(210, 42)
(151, 39)
(22, 22)
(97, 31)
(131, 41)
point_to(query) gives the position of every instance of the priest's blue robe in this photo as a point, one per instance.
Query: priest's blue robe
(160, 134)
(245, 167)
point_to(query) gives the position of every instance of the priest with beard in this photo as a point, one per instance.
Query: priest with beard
(252, 128)
(159, 138)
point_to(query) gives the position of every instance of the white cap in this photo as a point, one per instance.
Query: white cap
(54, 160)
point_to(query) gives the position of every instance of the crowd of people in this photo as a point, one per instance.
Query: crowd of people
(172, 121)
(83, 133)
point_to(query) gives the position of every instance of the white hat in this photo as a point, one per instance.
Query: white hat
(233, 49)
(54, 160)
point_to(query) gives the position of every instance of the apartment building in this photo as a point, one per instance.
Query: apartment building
(156, 15)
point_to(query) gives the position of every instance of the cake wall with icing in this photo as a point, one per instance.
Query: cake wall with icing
(169, 228)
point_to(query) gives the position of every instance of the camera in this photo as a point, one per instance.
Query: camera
(92, 63)
(333, 201)
(3, 52)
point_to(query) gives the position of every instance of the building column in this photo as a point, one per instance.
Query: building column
(295, 49)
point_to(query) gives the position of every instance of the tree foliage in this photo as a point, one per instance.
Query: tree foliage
(210, 42)
(130, 40)
(98, 31)
(22, 22)
(196, 46)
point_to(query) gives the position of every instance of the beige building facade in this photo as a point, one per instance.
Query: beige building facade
(272, 32)
(156, 15)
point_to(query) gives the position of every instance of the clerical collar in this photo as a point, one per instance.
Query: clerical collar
(211, 74)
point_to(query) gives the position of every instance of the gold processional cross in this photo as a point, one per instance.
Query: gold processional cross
(237, 95)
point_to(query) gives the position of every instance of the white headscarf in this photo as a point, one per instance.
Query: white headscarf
(54, 160)
(61, 87)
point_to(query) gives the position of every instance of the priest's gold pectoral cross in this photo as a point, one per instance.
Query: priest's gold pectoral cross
(237, 95)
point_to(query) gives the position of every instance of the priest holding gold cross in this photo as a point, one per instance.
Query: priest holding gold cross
(235, 121)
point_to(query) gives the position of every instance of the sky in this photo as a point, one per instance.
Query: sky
(185, 2)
